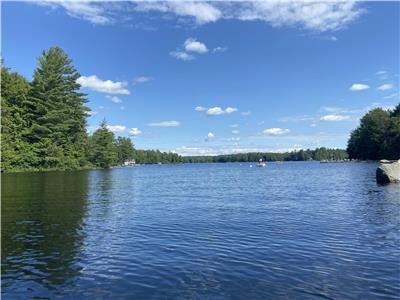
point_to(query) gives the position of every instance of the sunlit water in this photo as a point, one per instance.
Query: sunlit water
(202, 231)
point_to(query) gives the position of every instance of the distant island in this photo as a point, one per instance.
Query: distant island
(44, 128)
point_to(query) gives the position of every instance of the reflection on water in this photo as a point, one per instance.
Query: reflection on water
(226, 231)
(42, 222)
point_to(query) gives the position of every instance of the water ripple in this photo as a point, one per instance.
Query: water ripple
(218, 231)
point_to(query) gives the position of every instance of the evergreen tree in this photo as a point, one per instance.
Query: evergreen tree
(125, 149)
(377, 137)
(43, 124)
(102, 150)
(16, 153)
(390, 148)
(56, 113)
(396, 111)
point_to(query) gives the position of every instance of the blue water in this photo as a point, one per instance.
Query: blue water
(202, 231)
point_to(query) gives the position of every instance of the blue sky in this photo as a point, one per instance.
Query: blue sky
(219, 77)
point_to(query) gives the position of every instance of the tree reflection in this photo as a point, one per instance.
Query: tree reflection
(42, 230)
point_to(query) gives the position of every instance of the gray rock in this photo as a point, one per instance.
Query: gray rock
(388, 171)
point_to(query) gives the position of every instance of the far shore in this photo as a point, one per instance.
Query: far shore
(178, 163)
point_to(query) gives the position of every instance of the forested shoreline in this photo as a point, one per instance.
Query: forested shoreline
(44, 127)
(43, 123)
(377, 137)
(300, 155)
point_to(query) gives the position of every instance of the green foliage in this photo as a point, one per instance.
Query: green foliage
(301, 155)
(14, 92)
(377, 137)
(125, 149)
(106, 151)
(56, 113)
(44, 122)
(103, 152)
(155, 156)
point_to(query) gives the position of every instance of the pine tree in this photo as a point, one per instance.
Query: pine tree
(102, 150)
(56, 113)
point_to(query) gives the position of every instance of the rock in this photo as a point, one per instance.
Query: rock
(388, 171)
(385, 161)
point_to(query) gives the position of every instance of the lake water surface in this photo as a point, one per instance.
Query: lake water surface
(201, 231)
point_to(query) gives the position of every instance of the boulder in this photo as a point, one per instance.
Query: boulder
(388, 171)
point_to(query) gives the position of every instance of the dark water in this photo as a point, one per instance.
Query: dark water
(206, 231)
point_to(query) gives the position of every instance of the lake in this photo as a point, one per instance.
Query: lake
(293, 230)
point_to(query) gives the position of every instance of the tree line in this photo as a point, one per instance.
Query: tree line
(301, 155)
(43, 123)
(377, 136)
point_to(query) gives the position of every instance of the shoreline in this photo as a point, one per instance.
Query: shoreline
(180, 163)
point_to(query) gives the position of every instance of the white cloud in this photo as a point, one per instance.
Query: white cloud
(343, 110)
(332, 109)
(220, 49)
(85, 10)
(382, 74)
(181, 55)
(385, 87)
(202, 12)
(215, 111)
(195, 151)
(230, 110)
(89, 11)
(276, 131)
(359, 87)
(234, 126)
(141, 79)
(320, 16)
(392, 96)
(92, 113)
(210, 136)
(235, 131)
(192, 45)
(246, 113)
(103, 86)
(165, 124)
(334, 118)
(114, 99)
(302, 118)
(135, 131)
(116, 128)
(329, 114)
(200, 108)
(312, 15)
(230, 149)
